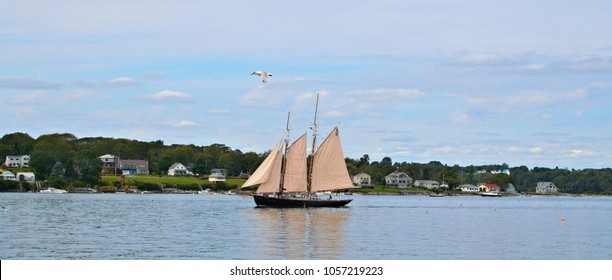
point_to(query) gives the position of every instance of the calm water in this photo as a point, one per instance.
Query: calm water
(114, 226)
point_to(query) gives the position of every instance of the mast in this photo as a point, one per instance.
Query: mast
(314, 141)
(281, 187)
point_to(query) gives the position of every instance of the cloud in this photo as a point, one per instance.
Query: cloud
(185, 123)
(27, 83)
(536, 66)
(479, 59)
(335, 114)
(400, 93)
(170, 96)
(580, 153)
(154, 75)
(122, 82)
(578, 94)
(591, 64)
(535, 150)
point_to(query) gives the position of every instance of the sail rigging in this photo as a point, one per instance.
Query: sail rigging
(284, 172)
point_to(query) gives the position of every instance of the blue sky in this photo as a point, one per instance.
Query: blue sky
(461, 82)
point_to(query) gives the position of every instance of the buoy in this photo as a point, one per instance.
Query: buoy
(562, 219)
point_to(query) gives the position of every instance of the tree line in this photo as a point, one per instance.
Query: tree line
(66, 158)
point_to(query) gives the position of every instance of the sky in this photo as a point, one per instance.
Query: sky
(460, 82)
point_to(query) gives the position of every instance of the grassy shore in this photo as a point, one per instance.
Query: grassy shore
(169, 180)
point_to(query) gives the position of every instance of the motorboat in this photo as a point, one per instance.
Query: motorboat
(53, 190)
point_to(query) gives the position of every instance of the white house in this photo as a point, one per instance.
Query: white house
(8, 175)
(28, 176)
(362, 180)
(489, 188)
(468, 188)
(398, 180)
(217, 175)
(178, 169)
(427, 184)
(546, 188)
(108, 161)
(17, 161)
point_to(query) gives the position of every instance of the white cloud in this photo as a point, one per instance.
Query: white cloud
(335, 114)
(185, 123)
(122, 81)
(536, 150)
(218, 111)
(154, 75)
(400, 93)
(479, 59)
(27, 83)
(536, 66)
(170, 95)
(580, 153)
(577, 94)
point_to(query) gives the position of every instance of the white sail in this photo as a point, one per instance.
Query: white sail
(295, 166)
(329, 170)
(267, 175)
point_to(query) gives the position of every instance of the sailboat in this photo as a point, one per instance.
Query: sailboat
(283, 180)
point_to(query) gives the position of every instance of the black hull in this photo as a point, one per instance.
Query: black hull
(287, 202)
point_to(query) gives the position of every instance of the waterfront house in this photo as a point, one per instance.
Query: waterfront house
(469, 188)
(17, 161)
(217, 175)
(429, 184)
(398, 179)
(8, 175)
(362, 180)
(488, 188)
(27, 176)
(134, 167)
(178, 169)
(108, 161)
(546, 188)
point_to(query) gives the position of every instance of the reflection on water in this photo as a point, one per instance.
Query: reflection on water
(300, 233)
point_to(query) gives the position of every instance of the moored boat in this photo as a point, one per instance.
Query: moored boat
(282, 177)
(490, 194)
(53, 190)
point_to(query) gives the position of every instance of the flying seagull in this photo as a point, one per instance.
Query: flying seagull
(264, 75)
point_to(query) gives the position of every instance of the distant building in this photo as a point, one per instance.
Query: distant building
(427, 184)
(217, 175)
(468, 188)
(134, 167)
(108, 161)
(8, 175)
(362, 180)
(27, 176)
(488, 188)
(510, 188)
(546, 188)
(17, 161)
(398, 180)
(178, 169)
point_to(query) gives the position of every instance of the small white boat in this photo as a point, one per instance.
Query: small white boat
(53, 190)
(490, 194)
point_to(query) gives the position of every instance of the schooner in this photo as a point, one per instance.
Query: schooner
(283, 178)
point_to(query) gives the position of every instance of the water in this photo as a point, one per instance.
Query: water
(115, 226)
